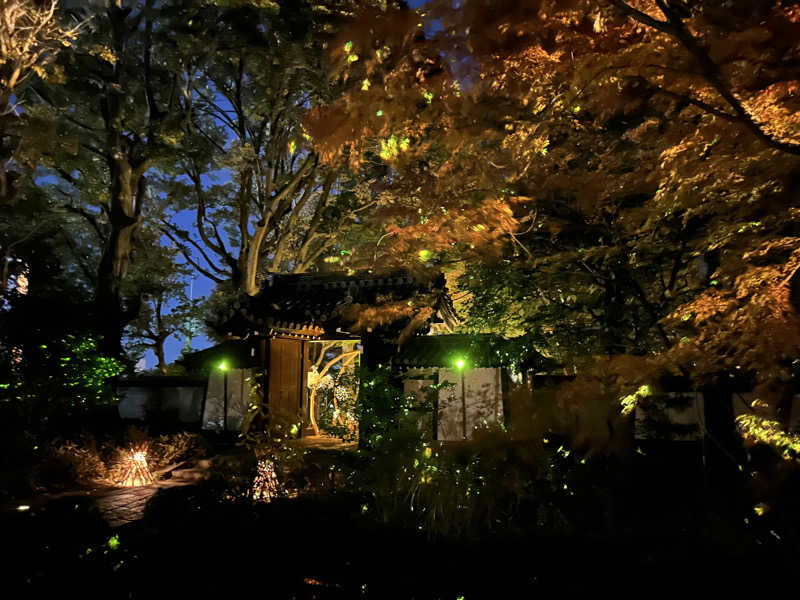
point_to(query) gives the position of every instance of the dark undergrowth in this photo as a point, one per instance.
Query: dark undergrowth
(193, 544)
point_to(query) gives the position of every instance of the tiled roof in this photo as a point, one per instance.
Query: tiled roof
(237, 354)
(476, 350)
(308, 305)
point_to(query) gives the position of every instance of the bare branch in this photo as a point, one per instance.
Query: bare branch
(169, 229)
(187, 255)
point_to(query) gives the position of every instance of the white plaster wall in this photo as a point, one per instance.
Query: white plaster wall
(482, 396)
(419, 387)
(238, 399)
(133, 402)
(416, 387)
(655, 407)
(186, 400)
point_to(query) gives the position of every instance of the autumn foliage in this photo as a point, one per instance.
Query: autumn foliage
(617, 178)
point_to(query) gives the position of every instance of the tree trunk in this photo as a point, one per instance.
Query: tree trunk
(123, 220)
(159, 350)
(249, 285)
(126, 192)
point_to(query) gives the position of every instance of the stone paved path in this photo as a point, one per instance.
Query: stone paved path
(122, 506)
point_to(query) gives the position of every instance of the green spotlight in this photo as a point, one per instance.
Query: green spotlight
(223, 366)
(460, 363)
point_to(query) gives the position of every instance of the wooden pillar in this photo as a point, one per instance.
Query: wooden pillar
(505, 393)
(263, 359)
(303, 389)
(436, 406)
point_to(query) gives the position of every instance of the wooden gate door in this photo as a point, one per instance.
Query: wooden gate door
(286, 368)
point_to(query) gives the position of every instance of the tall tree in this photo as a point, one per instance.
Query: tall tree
(276, 206)
(121, 104)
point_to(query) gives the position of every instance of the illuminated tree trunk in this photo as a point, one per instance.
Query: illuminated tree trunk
(126, 165)
(159, 352)
(127, 194)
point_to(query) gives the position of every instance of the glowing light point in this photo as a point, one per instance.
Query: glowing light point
(223, 366)
(265, 484)
(460, 363)
(23, 507)
(137, 473)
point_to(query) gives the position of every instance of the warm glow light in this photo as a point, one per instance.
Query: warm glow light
(265, 485)
(137, 473)
(23, 507)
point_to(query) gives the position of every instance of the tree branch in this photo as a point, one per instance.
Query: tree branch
(688, 99)
(675, 28)
(91, 218)
(171, 231)
(187, 255)
(218, 248)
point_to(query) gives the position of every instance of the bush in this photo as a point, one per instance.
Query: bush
(58, 381)
(496, 481)
(174, 448)
(62, 466)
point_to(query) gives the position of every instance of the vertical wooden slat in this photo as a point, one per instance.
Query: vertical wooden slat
(285, 373)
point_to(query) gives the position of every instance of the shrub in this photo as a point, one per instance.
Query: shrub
(494, 481)
(61, 466)
(56, 384)
(174, 448)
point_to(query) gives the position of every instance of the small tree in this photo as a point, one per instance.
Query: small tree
(165, 308)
